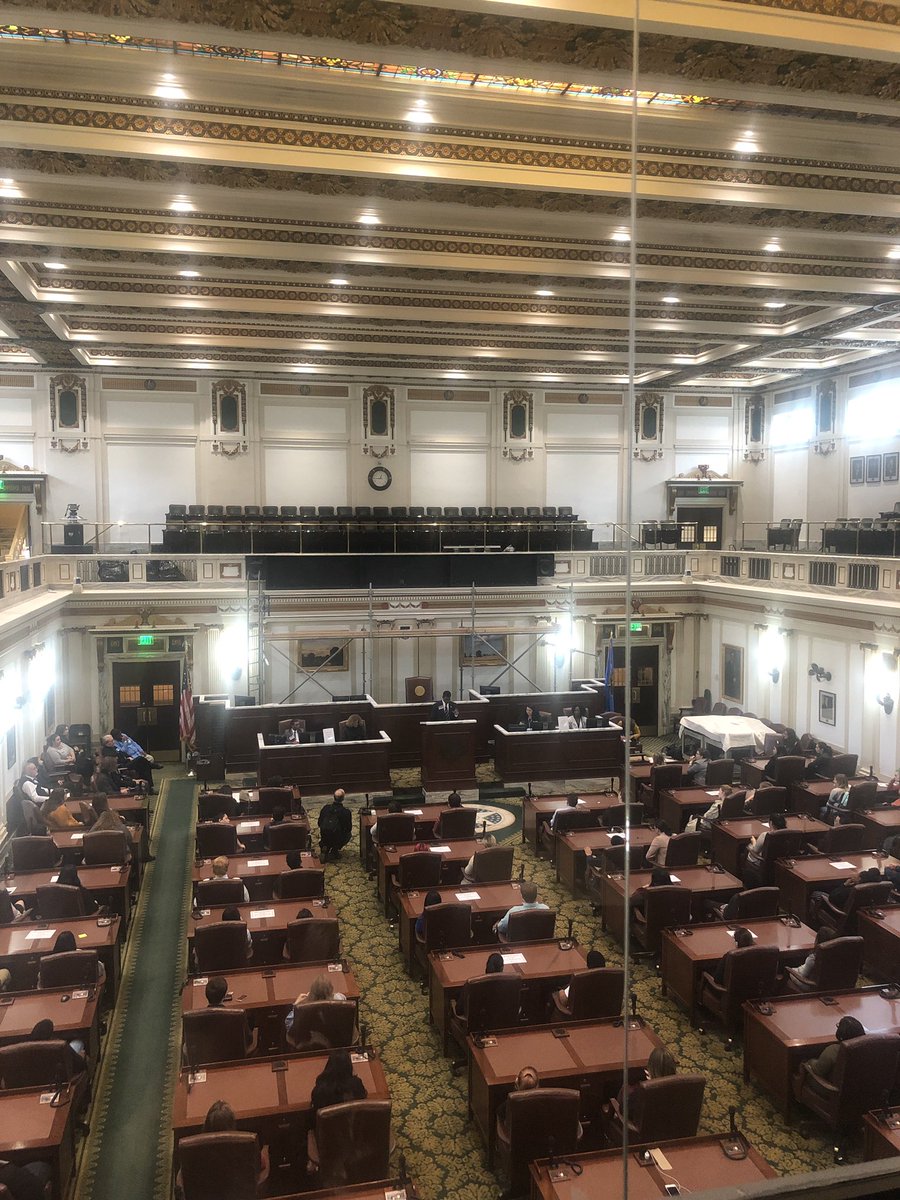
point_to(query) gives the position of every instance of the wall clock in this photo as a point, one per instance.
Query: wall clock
(380, 478)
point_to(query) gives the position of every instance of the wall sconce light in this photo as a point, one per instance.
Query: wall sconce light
(819, 672)
(887, 703)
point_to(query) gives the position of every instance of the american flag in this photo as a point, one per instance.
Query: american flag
(186, 710)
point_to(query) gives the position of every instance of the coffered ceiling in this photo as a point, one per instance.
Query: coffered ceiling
(369, 190)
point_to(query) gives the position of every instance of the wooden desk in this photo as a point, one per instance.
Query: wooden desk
(880, 823)
(559, 754)
(452, 863)
(134, 809)
(698, 1164)
(639, 772)
(800, 1028)
(268, 933)
(573, 849)
(753, 771)
(688, 953)
(69, 843)
(702, 883)
(809, 795)
(258, 871)
(21, 954)
(31, 1131)
(494, 900)
(798, 878)
(882, 1141)
(321, 767)
(592, 1054)
(538, 810)
(448, 754)
(730, 838)
(251, 803)
(357, 1191)
(546, 968)
(678, 805)
(107, 885)
(262, 1098)
(78, 1016)
(881, 943)
(425, 815)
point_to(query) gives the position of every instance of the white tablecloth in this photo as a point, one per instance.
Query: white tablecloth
(731, 733)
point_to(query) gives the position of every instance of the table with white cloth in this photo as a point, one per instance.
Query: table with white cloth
(729, 733)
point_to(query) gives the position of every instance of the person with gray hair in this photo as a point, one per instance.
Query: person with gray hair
(468, 875)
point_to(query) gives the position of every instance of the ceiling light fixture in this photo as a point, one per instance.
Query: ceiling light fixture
(418, 116)
(368, 219)
(181, 206)
(189, 274)
(671, 300)
(895, 253)
(10, 189)
(169, 91)
(775, 304)
(543, 292)
(772, 247)
(620, 235)
(54, 266)
(339, 282)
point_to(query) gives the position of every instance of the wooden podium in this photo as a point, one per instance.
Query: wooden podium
(448, 754)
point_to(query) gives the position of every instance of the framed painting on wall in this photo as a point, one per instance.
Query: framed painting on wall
(873, 468)
(827, 708)
(890, 467)
(486, 650)
(322, 655)
(857, 469)
(733, 673)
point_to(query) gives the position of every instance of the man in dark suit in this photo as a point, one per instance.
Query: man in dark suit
(444, 709)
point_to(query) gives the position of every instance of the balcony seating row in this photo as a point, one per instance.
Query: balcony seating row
(255, 514)
(863, 535)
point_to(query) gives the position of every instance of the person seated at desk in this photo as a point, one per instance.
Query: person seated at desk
(578, 719)
(559, 1000)
(847, 1029)
(55, 815)
(394, 806)
(111, 822)
(655, 855)
(454, 800)
(65, 944)
(468, 875)
(807, 967)
(26, 1182)
(530, 900)
(821, 764)
(220, 871)
(11, 911)
(354, 729)
(45, 1031)
(59, 759)
(444, 709)
(742, 939)
(493, 966)
(220, 1118)
(891, 847)
(335, 826)
(127, 751)
(320, 989)
(838, 802)
(696, 768)
(291, 735)
(755, 848)
(570, 806)
(335, 1085)
(660, 1065)
(526, 1081)
(68, 877)
(108, 778)
(841, 896)
(432, 897)
(234, 914)
(35, 794)
(278, 818)
(712, 814)
(531, 719)
(216, 996)
(659, 877)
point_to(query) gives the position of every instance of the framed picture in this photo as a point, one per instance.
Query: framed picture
(733, 673)
(857, 469)
(827, 708)
(873, 468)
(488, 650)
(890, 467)
(322, 655)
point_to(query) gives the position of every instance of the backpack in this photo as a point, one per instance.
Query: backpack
(330, 821)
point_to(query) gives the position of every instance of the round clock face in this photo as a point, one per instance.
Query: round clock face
(380, 478)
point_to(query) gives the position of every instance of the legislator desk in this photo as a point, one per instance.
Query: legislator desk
(558, 754)
(882, 1134)
(269, 933)
(75, 1013)
(678, 805)
(320, 767)
(425, 815)
(23, 945)
(107, 885)
(251, 829)
(798, 878)
(448, 754)
(257, 871)
(264, 1100)
(590, 1058)
(701, 882)
(810, 795)
(454, 854)
(753, 770)
(360, 1191)
(573, 850)
(32, 1130)
(546, 968)
(730, 838)
(249, 800)
(699, 1164)
(880, 823)
(800, 1027)
(133, 808)
(69, 843)
(538, 810)
(492, 901)
(687, 953)
(639, 772)
(881, 942)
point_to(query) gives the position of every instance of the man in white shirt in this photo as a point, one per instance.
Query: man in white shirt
(220, 871)
(29, 786)
(529, 901)
(571, 805)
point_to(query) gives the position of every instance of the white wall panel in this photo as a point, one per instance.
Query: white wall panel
(456, 424)
(448, 477)
(710, 425)
(145, 477)
(590, 422)
(305, 475)
(15, 411)
(789, 483)
(304, 420)
(150, 414)
(687, 460)
(586, 479)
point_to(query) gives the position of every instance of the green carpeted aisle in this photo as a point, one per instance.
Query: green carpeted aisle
(128, 1150)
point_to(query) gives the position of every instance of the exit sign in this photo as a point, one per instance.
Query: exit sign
(636, 627)
(703, 491)
(145, 639)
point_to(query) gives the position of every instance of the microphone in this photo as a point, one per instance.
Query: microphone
(484, 829)
(364, 1037)
(732, 1121)
(521, 872)
(571, 927)
(551, 1154)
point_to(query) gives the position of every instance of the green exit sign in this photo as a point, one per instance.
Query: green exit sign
(145, 639)
(636, 627)
(703, 491)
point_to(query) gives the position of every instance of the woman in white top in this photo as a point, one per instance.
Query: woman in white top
(578, 718)
(468, 875)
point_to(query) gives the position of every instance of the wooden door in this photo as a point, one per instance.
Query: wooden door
(644, 685)
(146, 700)
(699, 527)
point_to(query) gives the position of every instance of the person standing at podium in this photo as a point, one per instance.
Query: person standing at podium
(444, 709)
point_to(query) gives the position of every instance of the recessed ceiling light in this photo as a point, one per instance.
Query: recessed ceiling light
(168, 77)
(170, 91)
(671, 300)
(621, 235)
(776, 304)
(895, 253)
(10, 189)
(418, 116)
(339, 282)
(773, 247)
(683, 358)
(368, 219)
(543, 292)
(181, 206)
(54, 266)
(189, 274)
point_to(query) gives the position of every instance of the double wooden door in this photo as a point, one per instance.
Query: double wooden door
(146, 701)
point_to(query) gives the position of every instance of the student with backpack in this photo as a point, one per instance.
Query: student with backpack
(335, 826)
